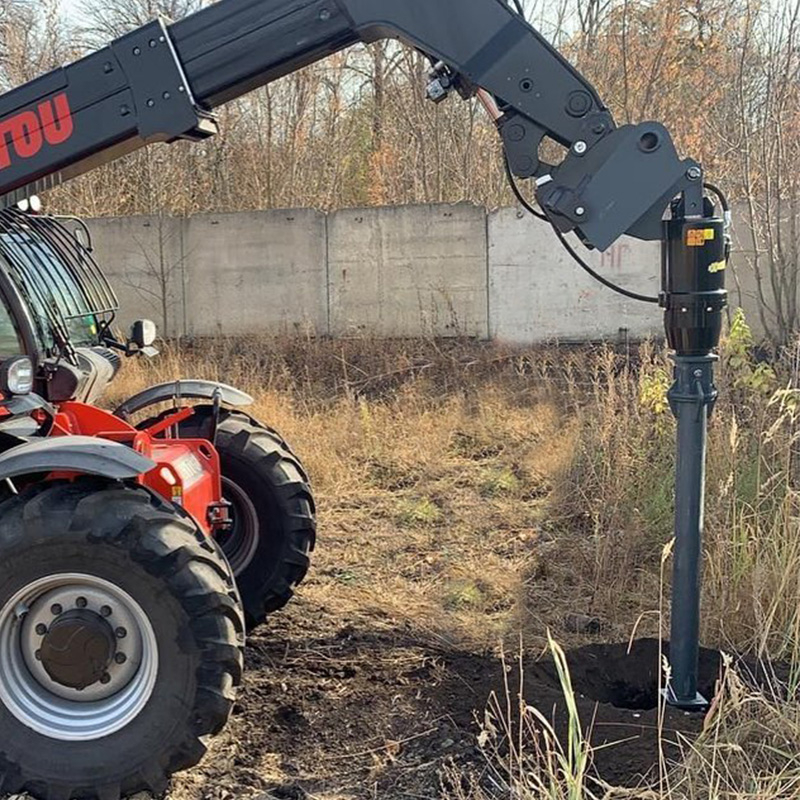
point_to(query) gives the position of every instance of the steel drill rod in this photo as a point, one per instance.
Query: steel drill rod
(691, 399)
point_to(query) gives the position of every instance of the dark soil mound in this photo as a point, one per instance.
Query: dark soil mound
(617, 698)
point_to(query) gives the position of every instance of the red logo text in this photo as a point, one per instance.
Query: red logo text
(25, 134)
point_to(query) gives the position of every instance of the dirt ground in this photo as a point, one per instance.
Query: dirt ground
(377, 687)
(336, 709)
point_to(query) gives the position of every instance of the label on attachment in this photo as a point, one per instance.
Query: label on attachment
(697, 237)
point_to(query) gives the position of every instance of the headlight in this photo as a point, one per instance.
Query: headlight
(30, 205)
(16, 375)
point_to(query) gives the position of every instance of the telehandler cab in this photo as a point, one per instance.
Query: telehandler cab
(121, 625)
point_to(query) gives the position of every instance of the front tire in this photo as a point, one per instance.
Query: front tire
(154, 609)
(274, 529)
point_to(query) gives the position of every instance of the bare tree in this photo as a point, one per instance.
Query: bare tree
(112, 18)
(768, 104)
(33, 40)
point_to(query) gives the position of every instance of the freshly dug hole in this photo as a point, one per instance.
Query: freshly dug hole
(616, 693)
(611, 675)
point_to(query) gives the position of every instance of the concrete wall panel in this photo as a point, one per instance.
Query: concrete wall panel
(538, 293)
(408, 271)
(260, 272)
(143, 258)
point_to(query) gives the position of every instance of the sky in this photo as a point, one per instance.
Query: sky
(69, 8)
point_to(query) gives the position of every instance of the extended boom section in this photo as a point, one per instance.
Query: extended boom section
(78, 117)
(161, 83)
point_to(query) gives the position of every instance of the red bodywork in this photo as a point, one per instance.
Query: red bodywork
(188, 470)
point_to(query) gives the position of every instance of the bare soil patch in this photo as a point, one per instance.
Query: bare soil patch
(353, 710)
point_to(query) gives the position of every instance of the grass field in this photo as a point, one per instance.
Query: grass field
(475, 502)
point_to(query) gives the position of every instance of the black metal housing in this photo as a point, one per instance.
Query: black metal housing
(694, 264)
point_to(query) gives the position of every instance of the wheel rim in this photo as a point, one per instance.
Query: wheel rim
(240, 543)
(28, 687)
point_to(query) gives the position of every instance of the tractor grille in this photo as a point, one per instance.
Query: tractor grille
(54, 271)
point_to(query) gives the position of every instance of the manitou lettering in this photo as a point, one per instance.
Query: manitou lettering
(26, 133)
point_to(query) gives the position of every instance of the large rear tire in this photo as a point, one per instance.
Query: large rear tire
(274, 530)
(121, 638)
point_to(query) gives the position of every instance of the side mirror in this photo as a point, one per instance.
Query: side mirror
(143, 336)
(143, 333)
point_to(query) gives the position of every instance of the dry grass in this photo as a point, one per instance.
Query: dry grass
(481, 495)
(430, 473)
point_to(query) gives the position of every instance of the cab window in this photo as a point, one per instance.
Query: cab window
(11, 343)
(50, 281)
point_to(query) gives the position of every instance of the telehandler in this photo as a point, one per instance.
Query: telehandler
(135, 553)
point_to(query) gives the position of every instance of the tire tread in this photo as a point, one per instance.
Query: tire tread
(154, 534)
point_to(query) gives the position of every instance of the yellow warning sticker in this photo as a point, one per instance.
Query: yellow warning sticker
(697, 237)
(717, 266)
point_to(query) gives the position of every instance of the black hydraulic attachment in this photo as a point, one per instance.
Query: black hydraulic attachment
(695, 253)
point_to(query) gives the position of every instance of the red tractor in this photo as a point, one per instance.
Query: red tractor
(122, 543)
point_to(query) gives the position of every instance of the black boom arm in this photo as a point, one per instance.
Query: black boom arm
(162, 82)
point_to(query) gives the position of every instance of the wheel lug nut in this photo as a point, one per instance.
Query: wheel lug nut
(105, 679)
(56, 609)
(106, 611)
(81, 602)
(38, 655)
(120, 658)
(121, 633)
(41, 629)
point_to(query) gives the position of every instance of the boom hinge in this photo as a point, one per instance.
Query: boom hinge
(162, 98)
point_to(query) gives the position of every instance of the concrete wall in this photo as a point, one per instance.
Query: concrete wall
(404, 271)
(538, 292)
(408, 271)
